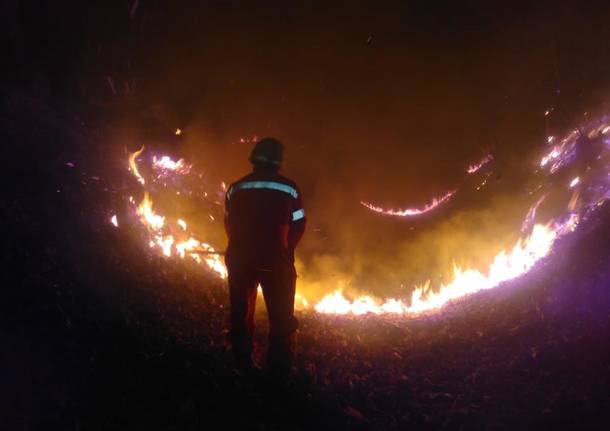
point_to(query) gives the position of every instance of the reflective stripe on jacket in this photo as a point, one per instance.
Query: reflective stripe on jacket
(264, 218)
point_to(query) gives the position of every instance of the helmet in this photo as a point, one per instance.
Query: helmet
(267, 151)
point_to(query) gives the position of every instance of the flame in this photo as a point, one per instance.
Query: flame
(188, 245)
(161, 236)
(133, 167)
(561, 153)
(409, 212)
(531, 214)
(474, 168)
(166, 243)
(166, 163)
(171, 247)
(300, 302)
(505, 266)
(214, 262)
(148, 216)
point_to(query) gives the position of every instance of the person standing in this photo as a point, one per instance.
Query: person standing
(264, 221)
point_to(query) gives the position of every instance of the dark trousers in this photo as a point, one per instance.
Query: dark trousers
(278, 285)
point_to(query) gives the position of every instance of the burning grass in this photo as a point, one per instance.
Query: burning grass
(506, 265)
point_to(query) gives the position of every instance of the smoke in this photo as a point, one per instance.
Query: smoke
(394, 119)
(347, 246)
(383, 258)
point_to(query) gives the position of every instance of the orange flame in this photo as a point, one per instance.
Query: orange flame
(408, 212)
(157, 226)
(475, 167)
(133, 166)
(505, 266)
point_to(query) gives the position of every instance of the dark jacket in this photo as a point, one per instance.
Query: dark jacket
(264, 219)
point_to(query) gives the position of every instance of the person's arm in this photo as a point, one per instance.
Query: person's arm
(297, 223)
(226, 216)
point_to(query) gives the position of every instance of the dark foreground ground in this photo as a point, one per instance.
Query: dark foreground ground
(99, 334)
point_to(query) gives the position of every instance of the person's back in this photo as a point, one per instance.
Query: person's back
(265, 220)
(261, 207)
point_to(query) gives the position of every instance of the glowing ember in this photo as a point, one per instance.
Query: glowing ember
(250, 140)
(114, 221)
(574, 182)
(178, 132)
(409, 212)
(182, 224)
(474, 168)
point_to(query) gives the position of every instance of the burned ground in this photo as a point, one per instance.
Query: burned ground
(100, 333)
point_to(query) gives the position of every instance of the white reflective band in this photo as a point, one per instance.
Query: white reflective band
(270, 185)
(298, 214)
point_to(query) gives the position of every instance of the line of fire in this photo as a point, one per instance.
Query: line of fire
(580, 158)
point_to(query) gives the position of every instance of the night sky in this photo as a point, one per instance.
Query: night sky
(381, 101)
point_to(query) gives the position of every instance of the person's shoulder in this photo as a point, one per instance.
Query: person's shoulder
(243, 179)
(287, 181)
(231, 187)
(266, 177)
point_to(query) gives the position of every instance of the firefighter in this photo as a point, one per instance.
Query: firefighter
(264, 221)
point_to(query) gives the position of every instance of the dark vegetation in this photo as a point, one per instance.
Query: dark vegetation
(98, 333)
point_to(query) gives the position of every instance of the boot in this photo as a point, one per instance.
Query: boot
(242, 354)
(281, 355)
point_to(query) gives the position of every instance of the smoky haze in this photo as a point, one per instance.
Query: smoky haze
(387, 103)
